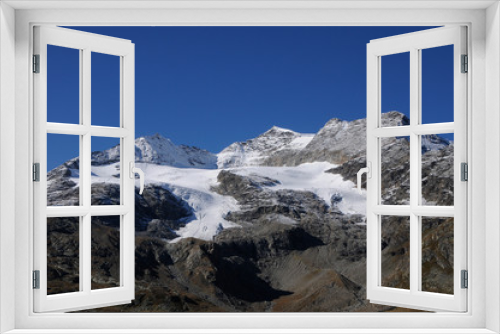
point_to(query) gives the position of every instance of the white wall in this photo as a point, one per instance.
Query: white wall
(486, 155)
(492, 165)
(7, 161)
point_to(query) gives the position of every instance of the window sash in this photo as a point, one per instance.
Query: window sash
(413, 43)
(86, 43)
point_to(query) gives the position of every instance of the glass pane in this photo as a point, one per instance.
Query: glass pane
(105, 252)
(395, 171)
(63, 85)
(437, 85)
(105, 90)
(395, 251)
(395, 90)
(63, 255)
(63, 170)
(437, 255)
(437, 169)
(105, 171)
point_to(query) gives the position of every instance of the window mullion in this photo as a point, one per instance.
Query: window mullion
(414, 168)
(81, 231)
(85, 174)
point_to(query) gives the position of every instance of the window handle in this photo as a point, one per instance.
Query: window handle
(134, 170)
(368, 171)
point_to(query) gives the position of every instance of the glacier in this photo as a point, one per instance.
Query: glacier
(295, 161)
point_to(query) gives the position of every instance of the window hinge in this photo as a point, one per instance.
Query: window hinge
(36, 172)
(36, 63)
(465, 279)
(465, 64)
(36, 279)
(464, 171)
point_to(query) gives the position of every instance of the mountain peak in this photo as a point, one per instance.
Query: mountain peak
(154, 138)
(255, 151)
(162, 151)
(277, 131)
(159, 150)
(394, 118)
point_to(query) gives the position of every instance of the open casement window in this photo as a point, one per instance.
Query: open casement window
(404, 154)
(76, 233)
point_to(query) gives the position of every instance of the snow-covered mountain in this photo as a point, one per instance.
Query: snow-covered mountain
(292, 161)
(254, 152)
(245, 230)
(337, 142)
(159, 150)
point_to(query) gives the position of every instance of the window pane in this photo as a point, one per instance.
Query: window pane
(105, 90)
(395, 251)
(395, 90)
(105, 252)
(437, 84)
(437, 169)
(105, 171)
(63, 85)
(63, 255)
(395, 171)
(63, 170)
(437, 255)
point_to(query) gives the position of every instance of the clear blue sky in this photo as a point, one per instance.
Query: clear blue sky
(212, 86)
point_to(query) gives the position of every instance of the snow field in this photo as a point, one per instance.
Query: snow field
(194, 186)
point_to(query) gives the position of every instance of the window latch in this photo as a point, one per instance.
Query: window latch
(133, 170)
(367, 170)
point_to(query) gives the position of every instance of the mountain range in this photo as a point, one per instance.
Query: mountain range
(273, 223)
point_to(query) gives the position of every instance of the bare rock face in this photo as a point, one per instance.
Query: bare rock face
(437, 172)
(437, 176)
(159, 212)
(259, 203)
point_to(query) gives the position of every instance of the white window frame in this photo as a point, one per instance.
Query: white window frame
(414, 44)
(483, 20)
(85, 43)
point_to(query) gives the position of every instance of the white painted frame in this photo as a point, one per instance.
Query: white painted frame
(414, 43)
(85, 43)
(483, 19)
